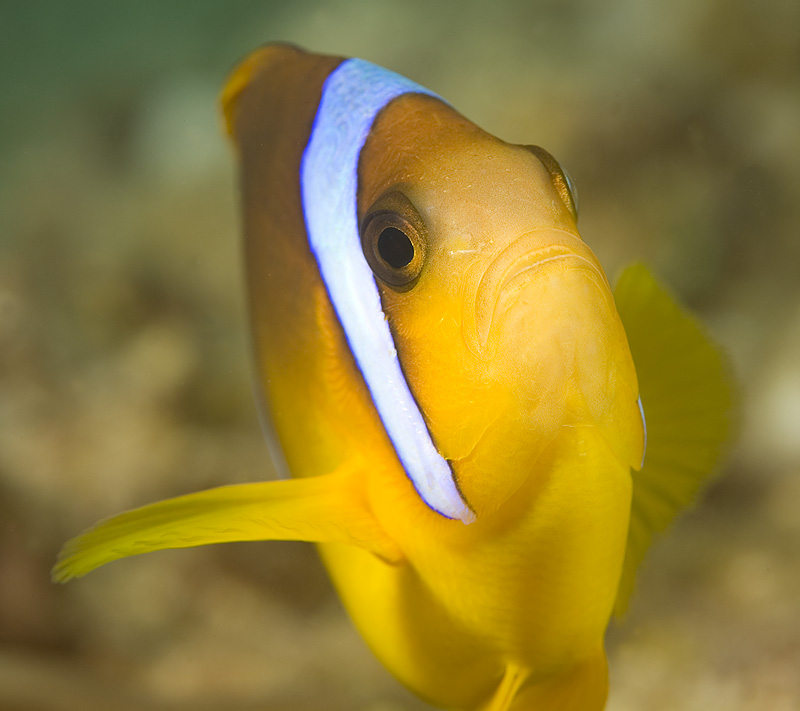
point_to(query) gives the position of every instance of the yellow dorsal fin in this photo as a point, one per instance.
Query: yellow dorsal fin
(323, 509)
(687, 397)
(239, 78)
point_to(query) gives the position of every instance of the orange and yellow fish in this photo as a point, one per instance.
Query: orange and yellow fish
(484, 436)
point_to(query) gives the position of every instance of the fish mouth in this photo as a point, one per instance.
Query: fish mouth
(489, 291)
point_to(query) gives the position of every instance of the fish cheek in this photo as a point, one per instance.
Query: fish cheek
(443, 376)
(473, 422)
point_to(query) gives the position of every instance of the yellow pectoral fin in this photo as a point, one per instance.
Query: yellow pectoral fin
(687, 397)
(324, 509)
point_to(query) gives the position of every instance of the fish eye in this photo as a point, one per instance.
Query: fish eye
(573, 190)
(395, 248)
(562, 181)
(393, 240)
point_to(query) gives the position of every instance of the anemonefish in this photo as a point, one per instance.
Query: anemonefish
(483, 436)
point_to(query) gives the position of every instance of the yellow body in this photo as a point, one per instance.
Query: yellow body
(531, 395)
(512, 345)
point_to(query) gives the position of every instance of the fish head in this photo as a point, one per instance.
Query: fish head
(503, 319)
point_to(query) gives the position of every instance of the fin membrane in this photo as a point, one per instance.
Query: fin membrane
(323, 509)
(687, 397)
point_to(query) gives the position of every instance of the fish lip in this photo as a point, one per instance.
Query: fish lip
(484, 281)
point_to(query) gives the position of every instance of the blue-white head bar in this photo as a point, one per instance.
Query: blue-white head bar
(352, 96)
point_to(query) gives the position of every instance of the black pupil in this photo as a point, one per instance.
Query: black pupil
(395, 248)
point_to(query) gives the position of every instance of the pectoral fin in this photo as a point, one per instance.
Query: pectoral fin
(323, 509)
(687, 398)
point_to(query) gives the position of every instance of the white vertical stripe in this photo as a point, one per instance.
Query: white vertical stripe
(353, 95)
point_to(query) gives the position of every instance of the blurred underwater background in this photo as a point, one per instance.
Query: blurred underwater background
(124, 352)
